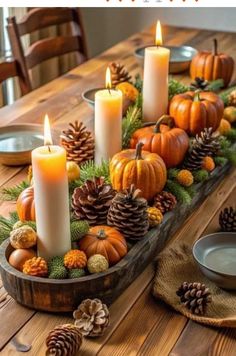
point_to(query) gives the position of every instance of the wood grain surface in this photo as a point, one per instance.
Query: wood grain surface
(139, 324)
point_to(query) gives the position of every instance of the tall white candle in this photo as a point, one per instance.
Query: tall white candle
(108, 122)
(51, 199)
(155, 81)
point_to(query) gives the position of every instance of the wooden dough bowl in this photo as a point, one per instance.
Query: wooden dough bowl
(65, 295)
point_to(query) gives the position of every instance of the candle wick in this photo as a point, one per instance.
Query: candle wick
(49, 149)
(109, 90)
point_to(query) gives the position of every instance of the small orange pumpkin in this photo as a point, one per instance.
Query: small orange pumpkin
(106, 241)
(147, 171)
(167, 141)
(25, 205)
(194, 111)
(212, 65)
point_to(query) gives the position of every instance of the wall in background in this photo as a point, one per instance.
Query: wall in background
(105, 27)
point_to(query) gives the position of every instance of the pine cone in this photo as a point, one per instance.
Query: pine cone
(227, 219)
(78, 143)
(203, 145)
(64, 340)
(118, 74)
(92, 200)
(165, 202)
(195, 296)
(92, 317)
(232, 98)
(199, 83)
(128, 213)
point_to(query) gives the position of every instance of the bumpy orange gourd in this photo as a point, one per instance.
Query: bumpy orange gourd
(25, 205)
(212, 65)
(167, 141)
(147, 171)
(75, 259)
(36, 266)
(105, 241)
(194, 111)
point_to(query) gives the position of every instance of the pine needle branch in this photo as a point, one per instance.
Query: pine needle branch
(12, 193)
(131, 122)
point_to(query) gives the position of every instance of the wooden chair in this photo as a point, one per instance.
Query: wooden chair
(11, 69)
(39, 51)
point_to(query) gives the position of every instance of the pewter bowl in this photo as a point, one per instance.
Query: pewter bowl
(216, 257)
(180, 57)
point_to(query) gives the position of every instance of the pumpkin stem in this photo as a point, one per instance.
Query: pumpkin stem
(215, 47)
(138, 153)
(197, 95)
(101, 235)
(164, 120)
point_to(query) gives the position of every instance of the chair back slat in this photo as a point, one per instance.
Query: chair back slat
(40, 18)
(7, 70)
(51, 47)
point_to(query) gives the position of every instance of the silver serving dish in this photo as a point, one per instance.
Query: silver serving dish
(180, 57)
(216, 257)
(17, 142)
(89, 96)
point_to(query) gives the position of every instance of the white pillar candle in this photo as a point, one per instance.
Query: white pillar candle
(155, 81)
(108, 122)
(51, 200)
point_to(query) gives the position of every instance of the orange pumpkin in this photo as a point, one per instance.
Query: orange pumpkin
(106, 241)
(193, 111)
(25, 205)
(164, 139)
(212, 65)
(147, 171)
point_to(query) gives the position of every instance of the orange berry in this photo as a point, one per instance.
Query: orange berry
(208, 164)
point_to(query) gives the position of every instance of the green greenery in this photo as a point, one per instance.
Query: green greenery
(89, 170)
(220, 161)
(176, 87)
(215, 85)
(78, 229)
(12, 193)
(76, 273)
(179, 192)
(6, 225)
(131, 122)
(191, 191)
(172, 173)
(200, 175)
(231, 135)
(224, 95)
(138, 83)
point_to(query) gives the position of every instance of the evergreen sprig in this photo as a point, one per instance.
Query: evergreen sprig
(89, 170)
(176, 87)
(6, 225)
(224, 95)
(12, 193)
(131, 122)
(231, 135)
(179, 192)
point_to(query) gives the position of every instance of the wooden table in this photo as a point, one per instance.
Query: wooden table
(139, 324)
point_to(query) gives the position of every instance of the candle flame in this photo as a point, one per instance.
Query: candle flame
(158, 34)
(108, 78)
(47, 132)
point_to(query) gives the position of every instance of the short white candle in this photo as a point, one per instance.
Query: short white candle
(108, 122)
(155, 82)
(51, 200)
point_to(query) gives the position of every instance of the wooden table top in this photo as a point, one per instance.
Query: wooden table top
(139, 324)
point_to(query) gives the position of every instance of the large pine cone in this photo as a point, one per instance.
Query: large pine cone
(203, 145)
(92, 317)
(92, 200)
(118, 74)
(128, 213)
(227, 219)
(195, 296)
(78, 143)
(165, 202)
(64, 340)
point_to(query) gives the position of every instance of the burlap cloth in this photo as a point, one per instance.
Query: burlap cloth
(176, 265)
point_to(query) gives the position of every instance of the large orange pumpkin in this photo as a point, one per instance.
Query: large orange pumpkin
(167, 141)
(147, 171)
(193, 111)
(25, 205)
(212, 65)
(106, 241)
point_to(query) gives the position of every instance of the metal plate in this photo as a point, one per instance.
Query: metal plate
(17, 142)
(216, 256)
(180, 57)
(89, 96)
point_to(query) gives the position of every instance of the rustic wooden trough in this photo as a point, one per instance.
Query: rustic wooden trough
(65, 295)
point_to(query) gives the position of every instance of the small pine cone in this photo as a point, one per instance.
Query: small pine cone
(185, 178)
(194, 296)
(128, 214)
(232, 98)
(36, 266)
(64, 340)
(165, 202)
(92, 317)
(92, 200)
(227, 219)
(75, 259)
(203, 145)
(118, 74)
(78, 143)
(155, 216)
(208, 164)
(199, 83)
